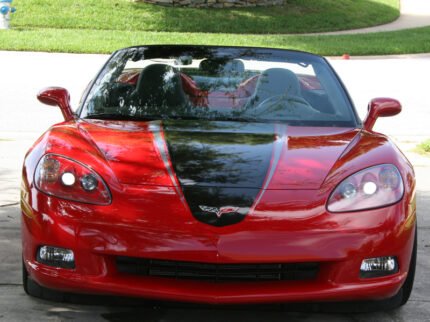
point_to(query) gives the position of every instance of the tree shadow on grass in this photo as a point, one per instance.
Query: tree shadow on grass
(296, 16)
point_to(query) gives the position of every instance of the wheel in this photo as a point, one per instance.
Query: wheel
(405, 291)
(24, 278)
(409, 283)
(34, 289)
(401, 298)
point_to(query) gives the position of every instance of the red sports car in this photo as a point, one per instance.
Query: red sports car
(218, 175)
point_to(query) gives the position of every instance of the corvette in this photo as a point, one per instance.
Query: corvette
(218, 175)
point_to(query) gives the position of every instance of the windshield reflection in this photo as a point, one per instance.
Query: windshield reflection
(218, 83)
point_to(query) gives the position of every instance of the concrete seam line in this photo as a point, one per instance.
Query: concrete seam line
(9, 205)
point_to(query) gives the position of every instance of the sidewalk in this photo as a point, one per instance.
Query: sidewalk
(413, 14)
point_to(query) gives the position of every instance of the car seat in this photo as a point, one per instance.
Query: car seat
(222, 67)
(273, 82)
(158, 87)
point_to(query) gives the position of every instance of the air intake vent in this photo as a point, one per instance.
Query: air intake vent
(217, 272)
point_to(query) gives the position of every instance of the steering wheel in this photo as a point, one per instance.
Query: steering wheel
(283, 104)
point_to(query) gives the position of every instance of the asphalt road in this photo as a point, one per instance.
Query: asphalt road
(23, 119)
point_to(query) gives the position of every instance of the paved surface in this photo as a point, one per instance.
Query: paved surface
(413, 14)
(23, 119)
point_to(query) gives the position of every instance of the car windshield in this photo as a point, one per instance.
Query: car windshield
(219, 83)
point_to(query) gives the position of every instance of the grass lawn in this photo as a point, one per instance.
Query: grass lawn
(424, 147)
(297, 16)
(102, 26)
(103, 41)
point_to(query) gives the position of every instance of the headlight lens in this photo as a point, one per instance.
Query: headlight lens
(68, 179)
(373, 187)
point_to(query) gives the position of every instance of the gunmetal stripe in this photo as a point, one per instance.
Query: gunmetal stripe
(155, 128)
(281, 133)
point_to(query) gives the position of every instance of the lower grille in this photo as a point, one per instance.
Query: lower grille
(217, 272)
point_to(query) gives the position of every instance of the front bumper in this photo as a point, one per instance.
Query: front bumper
(211, 293)
(338, 242)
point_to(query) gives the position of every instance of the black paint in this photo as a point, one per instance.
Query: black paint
(220, 164)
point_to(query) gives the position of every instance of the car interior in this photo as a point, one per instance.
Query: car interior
(217, 85)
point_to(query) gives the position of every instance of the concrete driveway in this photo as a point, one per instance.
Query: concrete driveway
(23, 119)
(413, 14)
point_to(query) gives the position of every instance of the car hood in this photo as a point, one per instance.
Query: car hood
(218, 154)
(218, 170)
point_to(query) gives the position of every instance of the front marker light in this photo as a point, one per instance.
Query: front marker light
(374, 187)
(48, 170)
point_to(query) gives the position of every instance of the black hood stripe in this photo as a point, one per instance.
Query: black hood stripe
(219, 170)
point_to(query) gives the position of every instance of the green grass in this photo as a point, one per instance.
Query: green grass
(297, 16)
(102, 41)
(102, 26)
(424, 147)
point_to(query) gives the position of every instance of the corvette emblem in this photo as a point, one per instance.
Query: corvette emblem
(219, 211)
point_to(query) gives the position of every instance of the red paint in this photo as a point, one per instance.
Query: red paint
(381, 107)
(57, 96)
(308, 154)
(147, 218)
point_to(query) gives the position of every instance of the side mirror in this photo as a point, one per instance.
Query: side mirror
(381, 107)
(57, 96)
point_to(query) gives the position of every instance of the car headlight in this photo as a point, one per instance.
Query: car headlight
(374, 187)
(68, 179)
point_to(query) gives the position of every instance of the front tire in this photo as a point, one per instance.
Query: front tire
(409, 283)
(35, 290)
(402, 297)
(392, 303)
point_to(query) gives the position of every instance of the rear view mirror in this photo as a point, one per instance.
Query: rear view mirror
(381, 107)
(57, 96)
